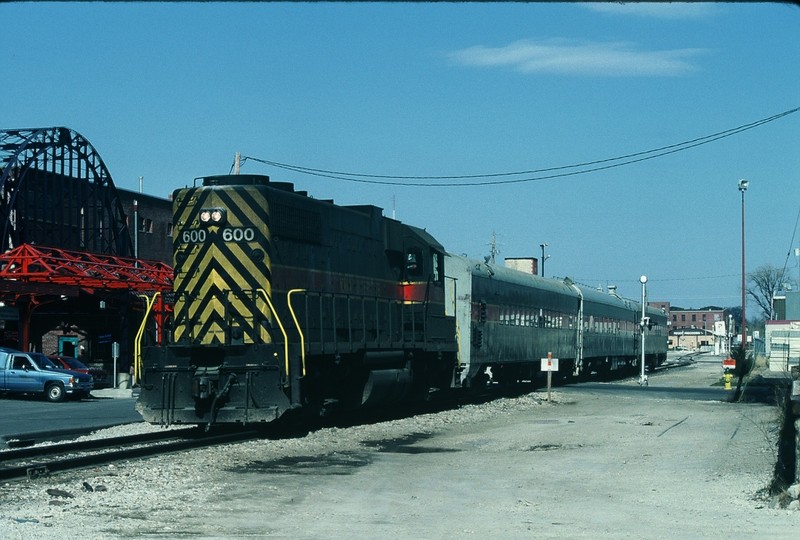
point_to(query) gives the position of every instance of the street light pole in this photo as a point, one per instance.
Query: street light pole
(543, 257)
(643, 325)
(742, 188)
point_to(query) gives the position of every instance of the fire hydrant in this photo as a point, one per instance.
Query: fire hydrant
(728, 377)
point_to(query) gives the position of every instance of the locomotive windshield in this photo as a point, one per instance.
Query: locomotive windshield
(417, 268)
(414, 262)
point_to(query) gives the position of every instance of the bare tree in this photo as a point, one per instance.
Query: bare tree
(763, 282)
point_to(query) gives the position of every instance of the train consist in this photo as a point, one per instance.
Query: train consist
(286, 302)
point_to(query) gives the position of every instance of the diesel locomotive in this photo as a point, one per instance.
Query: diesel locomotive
(285, 302)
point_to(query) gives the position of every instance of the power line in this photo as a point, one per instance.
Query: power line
(593, 166)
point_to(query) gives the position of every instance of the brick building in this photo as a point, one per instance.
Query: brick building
(154, 232)
(696, 328)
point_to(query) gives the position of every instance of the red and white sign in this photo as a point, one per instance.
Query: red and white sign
(729, 363)
(549, 364)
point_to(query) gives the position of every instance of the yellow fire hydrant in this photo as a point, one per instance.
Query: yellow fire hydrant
(728, 377)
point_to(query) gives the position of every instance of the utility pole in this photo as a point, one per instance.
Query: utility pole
(797, 254)
(136, 232)
(743, 187)
(643, 326)
(544, 257)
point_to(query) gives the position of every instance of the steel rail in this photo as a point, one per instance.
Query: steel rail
(90, 444)
(140, 449)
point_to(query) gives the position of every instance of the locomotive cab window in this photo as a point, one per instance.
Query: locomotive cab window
(414, 266)
(437, 264)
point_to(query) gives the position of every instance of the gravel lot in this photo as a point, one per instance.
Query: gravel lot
(586, 464)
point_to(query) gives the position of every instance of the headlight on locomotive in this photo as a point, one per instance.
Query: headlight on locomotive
(217, 216)
(212, 216)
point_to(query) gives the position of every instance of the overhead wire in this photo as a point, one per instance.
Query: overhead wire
(594, 166)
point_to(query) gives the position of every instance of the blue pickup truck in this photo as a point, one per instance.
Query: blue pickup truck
(34, 373)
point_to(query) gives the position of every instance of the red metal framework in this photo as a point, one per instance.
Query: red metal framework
(30, 274)
(89, 271)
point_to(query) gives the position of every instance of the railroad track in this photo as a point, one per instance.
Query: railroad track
(42, 460)
(39, 461)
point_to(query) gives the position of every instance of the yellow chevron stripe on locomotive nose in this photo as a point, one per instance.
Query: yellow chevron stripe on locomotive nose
(223, 263)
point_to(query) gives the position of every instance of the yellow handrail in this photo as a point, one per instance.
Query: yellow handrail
(137, 344)
(297, 325)
(280, 325)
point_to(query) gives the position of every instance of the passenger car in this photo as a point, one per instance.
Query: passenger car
(99, 376)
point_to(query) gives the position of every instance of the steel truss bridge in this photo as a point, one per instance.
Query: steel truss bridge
(56, 191)
(64, 231)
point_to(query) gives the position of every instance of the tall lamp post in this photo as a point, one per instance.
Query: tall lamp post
(643, 325)
(742, 189)
(543, 256)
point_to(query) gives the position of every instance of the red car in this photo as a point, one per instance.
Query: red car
(100, 376)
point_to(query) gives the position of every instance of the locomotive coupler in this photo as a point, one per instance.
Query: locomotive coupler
(221, 394)
(202, 388)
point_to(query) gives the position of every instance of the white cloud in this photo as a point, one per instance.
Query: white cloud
(660, 10)
(580, 58)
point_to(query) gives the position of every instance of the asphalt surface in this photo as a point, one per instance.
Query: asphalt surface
(28, 418)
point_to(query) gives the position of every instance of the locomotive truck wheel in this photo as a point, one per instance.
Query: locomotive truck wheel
(54, 392)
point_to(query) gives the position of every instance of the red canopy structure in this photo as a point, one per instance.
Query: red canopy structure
(89, 271)
(32, 272)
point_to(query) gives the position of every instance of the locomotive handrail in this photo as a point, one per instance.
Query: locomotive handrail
(357, 308)
(280, 325)
(297, 325)
(137, 343)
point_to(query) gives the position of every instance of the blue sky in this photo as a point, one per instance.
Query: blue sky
(171, 92)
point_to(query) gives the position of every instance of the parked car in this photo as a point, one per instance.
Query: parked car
(31, 372)
(100, 376)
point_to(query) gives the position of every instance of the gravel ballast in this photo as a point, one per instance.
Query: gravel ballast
(586, 464)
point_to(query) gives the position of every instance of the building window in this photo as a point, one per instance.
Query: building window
(683, 318)
(169, 230)
(145, 225)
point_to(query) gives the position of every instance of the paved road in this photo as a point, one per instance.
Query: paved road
(23, 415)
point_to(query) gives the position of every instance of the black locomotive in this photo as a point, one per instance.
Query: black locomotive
(283, 301)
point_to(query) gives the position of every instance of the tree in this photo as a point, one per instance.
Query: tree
(764, 281)
(736, 313)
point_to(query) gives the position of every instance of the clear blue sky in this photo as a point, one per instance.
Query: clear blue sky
(170, 92)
